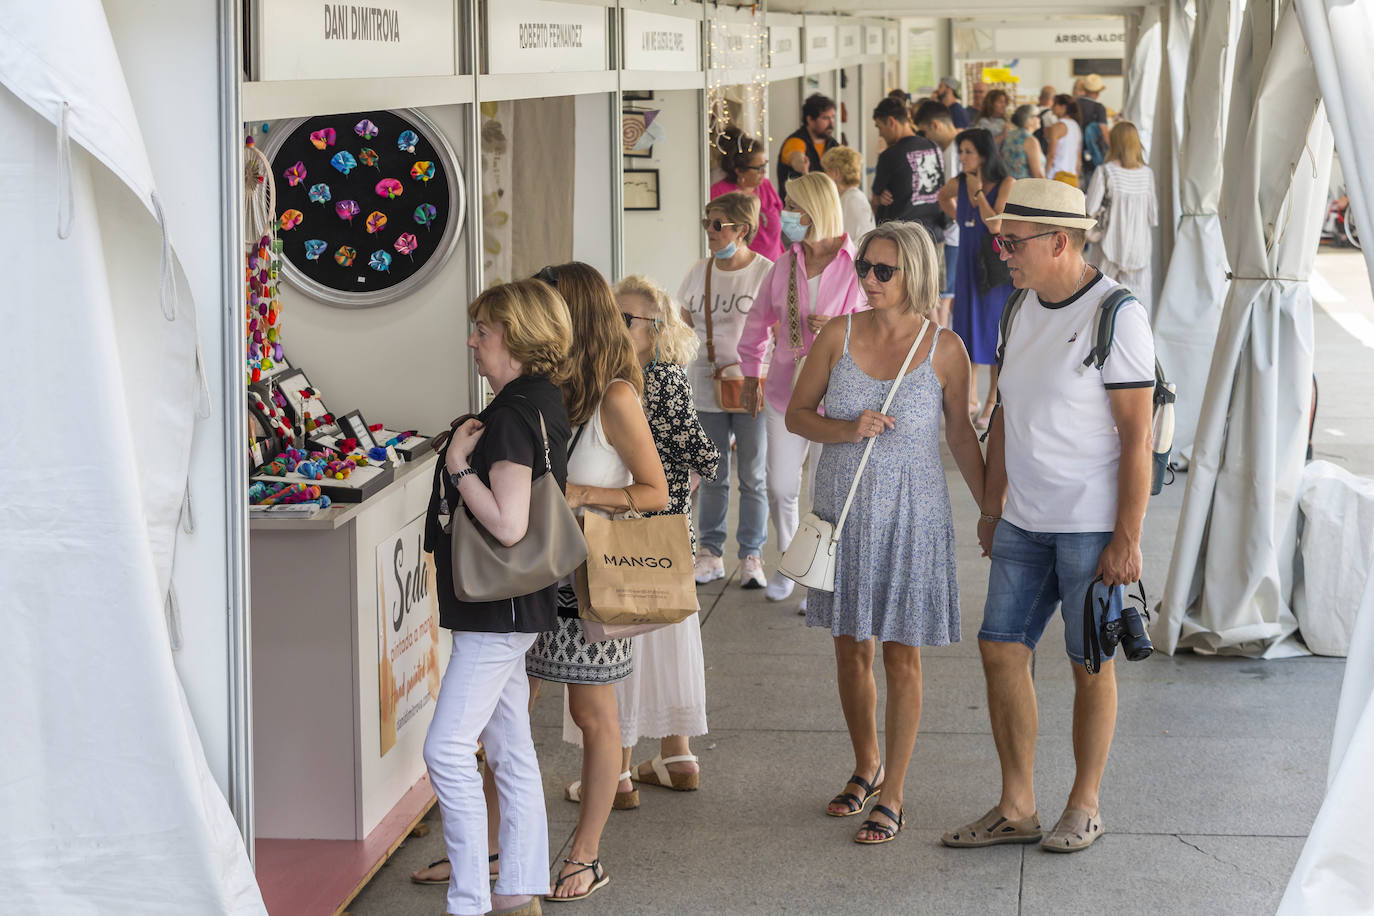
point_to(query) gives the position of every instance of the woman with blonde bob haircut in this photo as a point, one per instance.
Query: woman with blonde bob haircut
(1121, 196)
(612, 466)
(845, 166)
(812, 283)
(665, 695)
(519, 342)
(895, 579)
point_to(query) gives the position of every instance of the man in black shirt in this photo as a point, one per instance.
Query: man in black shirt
(910, 172)
(1089, 108)
(802, 149)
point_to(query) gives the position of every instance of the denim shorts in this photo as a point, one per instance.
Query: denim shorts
(951, 266)
(1035, 572)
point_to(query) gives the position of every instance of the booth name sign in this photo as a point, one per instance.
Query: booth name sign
(536, 36)
(785, 44)
(408, 624)
(1092, 39)
(299, 40)
(658, 42)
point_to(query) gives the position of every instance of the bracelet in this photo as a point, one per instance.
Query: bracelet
(457, 478)
(990, 518)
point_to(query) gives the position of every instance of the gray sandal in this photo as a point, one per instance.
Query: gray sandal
(1077, 829)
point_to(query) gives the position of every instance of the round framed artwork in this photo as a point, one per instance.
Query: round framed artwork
(369, 204)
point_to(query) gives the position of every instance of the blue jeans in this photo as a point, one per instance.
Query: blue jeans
(751, 443)
(951, 268)
(1033, 574)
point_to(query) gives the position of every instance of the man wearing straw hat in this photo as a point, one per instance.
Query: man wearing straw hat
(1068, 477)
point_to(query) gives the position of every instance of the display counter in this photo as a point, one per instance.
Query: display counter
(346, 664)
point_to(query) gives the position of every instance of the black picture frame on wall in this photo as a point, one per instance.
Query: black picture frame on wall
(1102, 66)
(641, 189)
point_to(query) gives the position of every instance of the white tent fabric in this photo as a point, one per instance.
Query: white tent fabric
(1333, 874)
(109, 803)
(1142, 79)
(1337, 555)
(1167, 136)
(1188, 309)
(1230, 579)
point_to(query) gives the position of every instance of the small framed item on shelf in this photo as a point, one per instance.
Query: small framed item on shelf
(303, 399)
(353, 426)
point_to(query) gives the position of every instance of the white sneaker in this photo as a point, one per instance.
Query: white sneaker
(708, 568)
(779, 588)
(801, 611)
(751, 573)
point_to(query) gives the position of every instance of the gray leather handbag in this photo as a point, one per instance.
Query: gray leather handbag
(484, 569)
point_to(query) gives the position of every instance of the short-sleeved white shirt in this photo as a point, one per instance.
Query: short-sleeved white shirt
(1062, 446)
(733, 292)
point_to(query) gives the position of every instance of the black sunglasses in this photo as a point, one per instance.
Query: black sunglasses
(883, 272)
(631, 319)
(549, 275)
(715, 225)
(751, 168)
(1005, 245)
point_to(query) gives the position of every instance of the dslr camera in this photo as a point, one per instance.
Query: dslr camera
(1124, 626)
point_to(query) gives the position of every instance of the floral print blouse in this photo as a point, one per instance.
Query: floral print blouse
(683, 445)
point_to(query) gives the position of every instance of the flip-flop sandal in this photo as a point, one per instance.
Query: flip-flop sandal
(854, 803)
(623, 801)
(665, 778)
(1077, 829)
(886, 832)
(599, 880)
(992, 829)
(495, 856)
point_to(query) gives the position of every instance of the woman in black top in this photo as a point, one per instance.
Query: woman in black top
(520, 341)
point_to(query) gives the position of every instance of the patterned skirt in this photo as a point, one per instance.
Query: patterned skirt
(565, 656)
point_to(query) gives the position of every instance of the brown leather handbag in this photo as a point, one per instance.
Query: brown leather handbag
(553, 547)
(729, 380)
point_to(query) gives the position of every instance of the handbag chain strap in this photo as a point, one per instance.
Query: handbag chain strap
(706, 308)
(794, 338)
(868, 449)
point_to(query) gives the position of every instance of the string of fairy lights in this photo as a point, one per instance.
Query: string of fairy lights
(736, 48)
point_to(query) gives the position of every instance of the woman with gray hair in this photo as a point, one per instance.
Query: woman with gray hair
(895, 579)
(1020, 150)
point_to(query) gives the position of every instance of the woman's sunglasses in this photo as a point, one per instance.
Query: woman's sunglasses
(751, 168)
(631, 319)
(715, 225)
(883, 272)
(1005, 245)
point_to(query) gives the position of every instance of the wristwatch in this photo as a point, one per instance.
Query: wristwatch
(456, 478)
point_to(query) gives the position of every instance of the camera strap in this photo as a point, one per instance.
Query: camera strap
(1092, 624)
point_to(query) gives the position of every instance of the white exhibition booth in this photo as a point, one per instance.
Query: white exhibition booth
(274, 675)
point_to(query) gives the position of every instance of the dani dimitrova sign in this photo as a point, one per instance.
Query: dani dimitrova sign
(408, 624)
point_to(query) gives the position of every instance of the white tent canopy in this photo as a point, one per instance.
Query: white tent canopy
(109, 803)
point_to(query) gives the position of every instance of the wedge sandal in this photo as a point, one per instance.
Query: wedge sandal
(886, 832)
(665, 778)
(992, 829)
(852, 802)
(1076, 830)
(599, 880)
(623, 801)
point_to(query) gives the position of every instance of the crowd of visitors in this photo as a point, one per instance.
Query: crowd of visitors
(814, 358)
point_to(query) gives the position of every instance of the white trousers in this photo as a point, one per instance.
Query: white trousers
(485, 694)
(786, 454)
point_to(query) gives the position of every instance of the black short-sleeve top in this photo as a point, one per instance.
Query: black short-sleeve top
(510, 432)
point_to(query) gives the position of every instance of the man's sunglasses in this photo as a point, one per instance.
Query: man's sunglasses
(1005, 245)
(715, 225)
(883, 272)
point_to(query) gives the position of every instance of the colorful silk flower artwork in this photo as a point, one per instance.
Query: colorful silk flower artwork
(406, 141)
(347, 209)
(381, 261)
(366, 129)
(291, 219)
(422, 170)
(296, 174)
(426, 214)
(344, 161)
(345, 255)
(376, 221)
(369, 157)
(320, 193)
(406, 243)
(390, 188)
(323, 138)
(314, 248)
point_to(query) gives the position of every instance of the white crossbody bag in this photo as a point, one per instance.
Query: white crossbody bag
(810, 558)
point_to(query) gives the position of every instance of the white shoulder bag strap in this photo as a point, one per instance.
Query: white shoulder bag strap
(892, 393)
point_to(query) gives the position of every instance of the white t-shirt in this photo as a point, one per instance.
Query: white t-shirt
(951, 169)
(1062, 446)
(733, 292)
(857, 213)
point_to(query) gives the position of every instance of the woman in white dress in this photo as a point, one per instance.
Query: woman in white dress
(1065, 136)
(1121, 195)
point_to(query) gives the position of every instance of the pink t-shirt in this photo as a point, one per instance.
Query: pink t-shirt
(768, 240)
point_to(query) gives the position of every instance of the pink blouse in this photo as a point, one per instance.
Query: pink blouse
(768, 240)
(839, 294)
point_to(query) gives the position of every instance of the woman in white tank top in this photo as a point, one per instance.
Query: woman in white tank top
(1065, 136)
(612, 460)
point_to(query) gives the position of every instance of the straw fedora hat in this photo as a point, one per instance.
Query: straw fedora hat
(1093, 83)
(1044, 200)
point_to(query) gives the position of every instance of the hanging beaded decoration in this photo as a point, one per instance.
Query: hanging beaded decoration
(262, 265)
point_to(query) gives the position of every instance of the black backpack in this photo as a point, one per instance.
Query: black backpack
(1104, 329)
